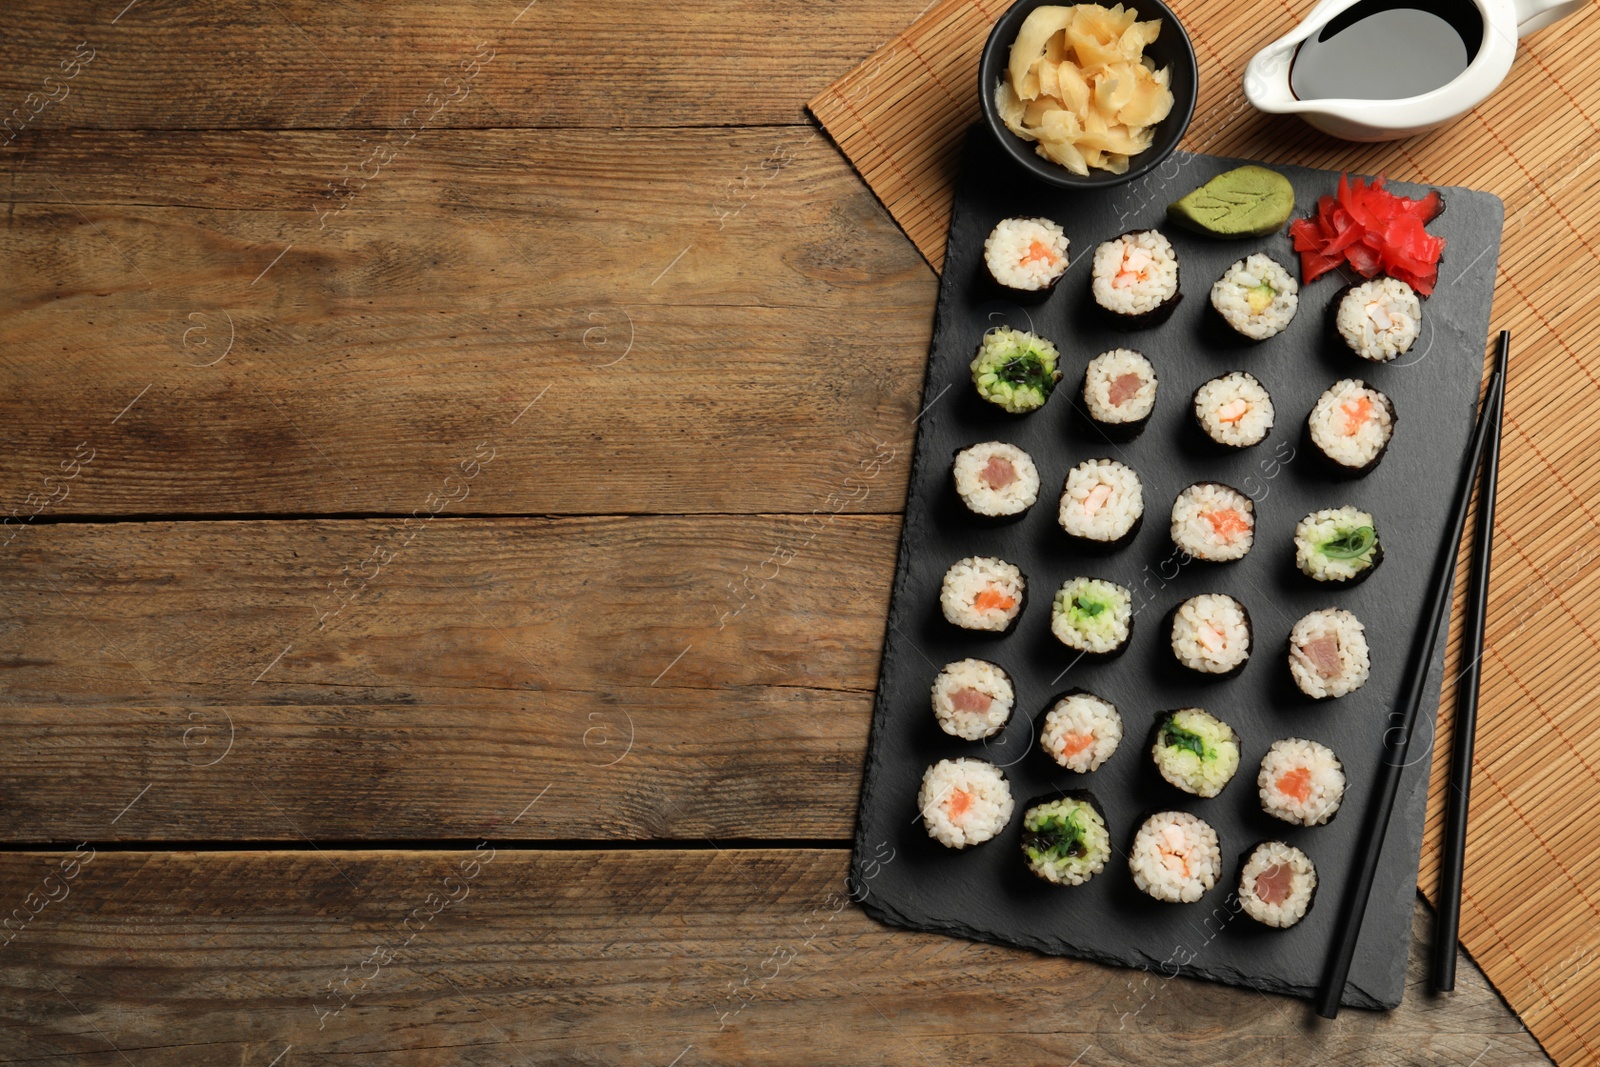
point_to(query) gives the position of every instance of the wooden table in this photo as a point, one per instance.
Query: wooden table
(455, 453)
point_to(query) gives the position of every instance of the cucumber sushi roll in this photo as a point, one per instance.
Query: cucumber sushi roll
(1081, 731)
(1211, 634)
(972, 699)
(1337, 546)
(1234, 410)
(1328, 654)
(1351, 425)
(964, 802)
(1380, 319)
(1257, 297)
(1119, 393)
(983, 593)
(1065, 841)
(1026, 256)
(1175, 857)
(1093, 616)
(1301, 782)
(1276, 884)
(1195, 751)
(1214, 523)
(1136, 278)
(1015, 370)
(996, 480)
(1102, 503)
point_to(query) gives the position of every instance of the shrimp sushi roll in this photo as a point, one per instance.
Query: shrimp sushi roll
(964, 802)
(1379, 319)
(972, 699)
(1175, 857)
(1119, 393)
(1214, 523)
(1026, 257)
(1015, 370)
(1234, 410)
(1065, 841)
(1257, 297)
(996, 480)
(1301, 782)
(983, 593)
(1328, 654)
(1102, 504)
(1337, 546)
(1351, 425)
(1093, 616)
(1136, 278)
(1195, 751)
(1080, 731)
(1276, 884)
(1211, 635)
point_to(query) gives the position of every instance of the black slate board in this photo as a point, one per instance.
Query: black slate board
(905, 878)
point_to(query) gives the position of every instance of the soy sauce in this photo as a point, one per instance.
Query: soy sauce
(1388, 50)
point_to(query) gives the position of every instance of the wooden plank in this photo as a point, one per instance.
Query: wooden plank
(609, 957)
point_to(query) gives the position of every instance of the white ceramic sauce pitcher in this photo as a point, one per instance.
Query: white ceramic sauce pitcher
(1266, 79)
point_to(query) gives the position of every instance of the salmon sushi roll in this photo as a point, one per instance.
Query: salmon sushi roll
(1136, 278)
(996, 480)
(1119, 393)
(1211, 635)
(1380, 319)
(1301, 782)
(1328, 654)
(1234, 410)
(1080, 731)
(1175, 857)
(1337, 546)
(1015, 370)
(983, 593)
(1195, 751)
(1277, 883)
(1064, 840)
(1093, 616)
(1213, 523)
(1257, 297)
(1351, 426)
(1102, 504)
(972, 699)
(964, 802)
(1027, 256)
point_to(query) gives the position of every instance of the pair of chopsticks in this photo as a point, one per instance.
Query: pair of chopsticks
(1397, 738)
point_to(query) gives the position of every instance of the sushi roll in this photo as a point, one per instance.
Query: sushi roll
(1214, 523)
(1337, 546)
(1136, 278)
(996, 480)
(972, 699)
(1234, 410)
(1015, 370)
(1175, 857)
(1328, 654)
(1276, 884)
(1093, 616)
(1026, 257)
(1380, 319)
(1081, 731)
(1350, 426)
(983, 593)
(1256, 296)
(1301, 782)
(1195, 751)
(1211, 634)
(1065, 841)
(964, 802)
(1102, 503)
(1119, 393)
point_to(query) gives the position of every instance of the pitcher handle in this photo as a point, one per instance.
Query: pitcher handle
(1537, 14)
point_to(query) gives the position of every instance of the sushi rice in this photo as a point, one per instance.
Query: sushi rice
(1175, 857)
(1026, 254)
(1119, 392)
(1277, 884)
(1102, 501)
(1256, 296)
(982, 593)
(1195, 751)
(1301, 782)
(972, 699)
(1136, 276)
(964, 802)
(1328, 654)
(1337, 545)
(1081, 731)
(1351, 425)
(1092, 615)
(1211, 634)
(1015, 370)
(1380, 319)
(1234, 410)
(1213, 522)
(995, 479)
(1065, 841)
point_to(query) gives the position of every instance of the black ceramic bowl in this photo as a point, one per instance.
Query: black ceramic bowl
(1171, 49)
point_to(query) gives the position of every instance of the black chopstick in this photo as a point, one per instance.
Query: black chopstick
(1397, 738)
(1453, 851)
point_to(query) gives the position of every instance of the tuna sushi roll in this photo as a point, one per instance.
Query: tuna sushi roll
(1175, 857)
(1119, 393)
(1195, 751)
(1102, 503)
(964, 802)
(1015, 370)
(996, 480)
(1234, 410)
(1065, 841)
(1276, 884)
(1301, 782)
(1328, 654)
(1093, 616)
(983, 593)
(1081, 731)
(1211, 634)
(1338, 546)
(1380, 319)
(1256, 296)
(972, 699)
(1026, 257)
(1351, 425)
(1214, 523)
(1136, 278)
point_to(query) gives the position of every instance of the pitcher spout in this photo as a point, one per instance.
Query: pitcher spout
(1266, 78)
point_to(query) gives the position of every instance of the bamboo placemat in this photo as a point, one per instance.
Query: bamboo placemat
(1531, 912)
